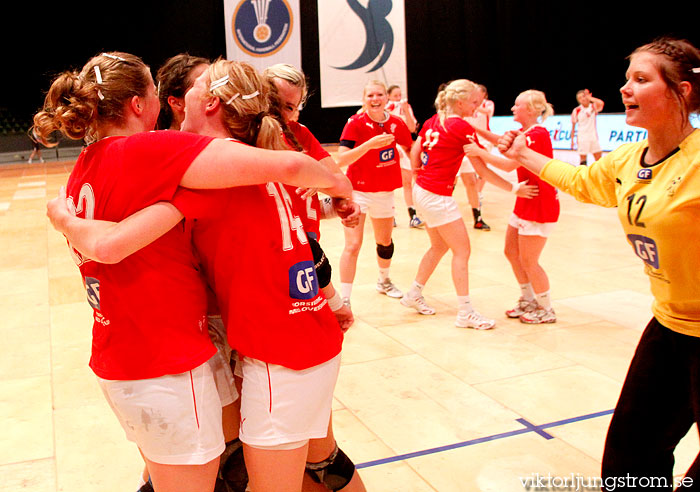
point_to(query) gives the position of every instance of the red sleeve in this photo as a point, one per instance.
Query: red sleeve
(201, 204)
(158, 160)
(403, 136)
(539, 141)
(307, 140)
(349, 131)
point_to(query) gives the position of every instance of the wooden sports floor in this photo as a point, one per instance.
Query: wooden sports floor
(420, 405)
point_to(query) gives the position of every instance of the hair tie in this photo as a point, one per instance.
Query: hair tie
(98, 78)
(259, 117)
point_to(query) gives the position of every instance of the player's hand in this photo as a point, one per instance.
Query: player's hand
(473, 150)
(511, 143)
(306, 192)
(57, 209)
(527, 191)
(348, 211)
(379, 141)
(345, 318)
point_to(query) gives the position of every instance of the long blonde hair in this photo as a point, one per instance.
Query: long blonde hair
(452, 92)
(244, 94)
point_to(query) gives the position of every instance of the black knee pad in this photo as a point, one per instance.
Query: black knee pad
(385, 252)
(335, 472)
(233, 476)
(321, 263)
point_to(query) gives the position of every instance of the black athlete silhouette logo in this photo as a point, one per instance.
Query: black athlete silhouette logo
(380, 36)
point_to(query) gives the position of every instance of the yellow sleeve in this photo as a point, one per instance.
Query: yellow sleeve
(590, 184)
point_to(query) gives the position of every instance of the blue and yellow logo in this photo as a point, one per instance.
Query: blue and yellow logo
(262, 27)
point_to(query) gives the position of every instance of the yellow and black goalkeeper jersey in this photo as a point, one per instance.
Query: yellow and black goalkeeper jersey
(659, 208)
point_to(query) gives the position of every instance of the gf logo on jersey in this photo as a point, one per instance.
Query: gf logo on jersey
(386, 155)
(644, 174)
(645, 248)
(92, 286)
(303, 283)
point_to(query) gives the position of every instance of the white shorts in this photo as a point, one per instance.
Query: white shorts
(281, 406)
(173, 419)
(434, 209)
(530, 228)
(404, 160)
(588, 146)
(377, 204)
(466, 166)
(220, 363)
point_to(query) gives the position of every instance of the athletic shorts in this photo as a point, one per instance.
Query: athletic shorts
(173, 419)
(281, 406)
(404, 159)
(588, 146)
(466, 166)
(434, 209)
(220, 363)
(531, 228)
(376, 204)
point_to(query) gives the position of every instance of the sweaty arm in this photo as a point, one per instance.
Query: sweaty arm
(110, 242)
(223, 164)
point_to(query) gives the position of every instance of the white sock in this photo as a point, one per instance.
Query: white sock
(345, 290)
(383, 274)
(416, 289)
(526, 292)
(544, 300)
(464, 304)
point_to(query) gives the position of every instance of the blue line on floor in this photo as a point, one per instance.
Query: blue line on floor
(538, 429)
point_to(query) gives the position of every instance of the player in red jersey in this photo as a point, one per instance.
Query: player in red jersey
(289, 93)
(368, 146)
(533, 219)
(285, 332)
(436, 157)
(150, 345)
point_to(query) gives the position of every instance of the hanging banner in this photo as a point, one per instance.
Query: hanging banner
(360, 41)
(263, 32)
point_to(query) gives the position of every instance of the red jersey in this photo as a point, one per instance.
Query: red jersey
(309, 209)
(149, 309)
(256, 257)
(545, 206)
(378, 169)
(442, 153)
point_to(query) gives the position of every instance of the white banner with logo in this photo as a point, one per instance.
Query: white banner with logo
(263, 32)
(613, 131)
(359, 41)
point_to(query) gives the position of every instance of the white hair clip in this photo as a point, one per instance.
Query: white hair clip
(114, 57)
(98, 78)
(695, 70)
(251, 95)
(235, 96)
(218, 83)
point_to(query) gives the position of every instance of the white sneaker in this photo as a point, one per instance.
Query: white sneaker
(523, 306)
(417, 303)
(538, 316)
(474, 320)
(389, 289)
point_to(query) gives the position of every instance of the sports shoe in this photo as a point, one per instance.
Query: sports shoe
(474, 320)
(417, 303)
(538, 316)
(523, 306)
(388, 288)
(481, 225)
(416, 223)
